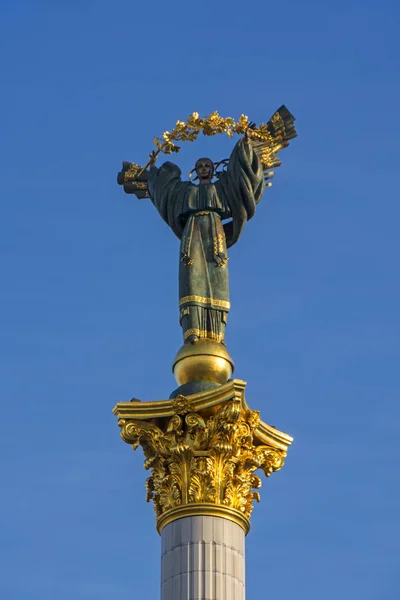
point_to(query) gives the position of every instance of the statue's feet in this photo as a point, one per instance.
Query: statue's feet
(192, 339)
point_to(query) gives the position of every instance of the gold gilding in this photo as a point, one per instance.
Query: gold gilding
(206, 360)
(215, 302)
(203, 452)
(203, 334)
(204, 509)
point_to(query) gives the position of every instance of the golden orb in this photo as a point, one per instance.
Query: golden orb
(204, 360)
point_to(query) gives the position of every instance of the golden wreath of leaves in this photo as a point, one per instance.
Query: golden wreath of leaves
(211, 125)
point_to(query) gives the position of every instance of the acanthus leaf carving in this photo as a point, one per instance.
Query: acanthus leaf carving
(198, 458)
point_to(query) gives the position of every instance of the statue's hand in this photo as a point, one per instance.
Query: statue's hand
(248, 132)
(153, 158)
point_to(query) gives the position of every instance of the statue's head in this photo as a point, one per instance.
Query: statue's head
(204, 168)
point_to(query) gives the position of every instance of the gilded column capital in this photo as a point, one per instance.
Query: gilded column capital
(203, 451)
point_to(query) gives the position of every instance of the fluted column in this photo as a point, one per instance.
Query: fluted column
(202, 558)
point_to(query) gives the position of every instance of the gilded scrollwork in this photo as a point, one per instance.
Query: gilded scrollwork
(203, 458)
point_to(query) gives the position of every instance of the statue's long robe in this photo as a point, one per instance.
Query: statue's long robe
(195, 215)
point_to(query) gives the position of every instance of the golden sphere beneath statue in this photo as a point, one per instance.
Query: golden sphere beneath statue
(204, 360)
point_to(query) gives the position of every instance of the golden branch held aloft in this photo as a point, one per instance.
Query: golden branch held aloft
(189, 131)
(271, 136)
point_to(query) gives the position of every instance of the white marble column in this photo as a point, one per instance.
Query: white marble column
(202, 558)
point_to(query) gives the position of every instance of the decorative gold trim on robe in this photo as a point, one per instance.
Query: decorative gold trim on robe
(214, 302)
(202, 334)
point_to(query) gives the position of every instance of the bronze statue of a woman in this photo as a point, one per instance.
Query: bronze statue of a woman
(208, 218)
(195, 214)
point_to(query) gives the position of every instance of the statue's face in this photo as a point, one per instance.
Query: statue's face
(204, 169)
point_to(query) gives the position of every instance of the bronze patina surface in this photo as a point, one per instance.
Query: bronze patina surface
(195, 213)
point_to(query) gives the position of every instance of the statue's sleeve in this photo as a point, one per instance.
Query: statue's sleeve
(167, 192)
(242, 187)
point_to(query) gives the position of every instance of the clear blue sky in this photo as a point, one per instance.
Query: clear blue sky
(89, 285)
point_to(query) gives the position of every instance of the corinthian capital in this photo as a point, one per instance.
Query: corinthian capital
(203, 452)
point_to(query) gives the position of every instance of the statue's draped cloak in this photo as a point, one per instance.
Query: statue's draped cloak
(195, 215)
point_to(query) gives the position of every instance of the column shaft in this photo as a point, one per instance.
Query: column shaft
(202, 558)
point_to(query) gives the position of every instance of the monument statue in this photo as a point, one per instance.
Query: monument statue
(204, 444)
(195, 213)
